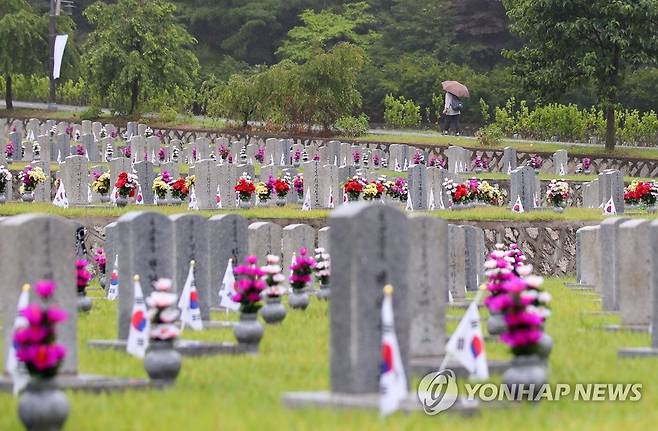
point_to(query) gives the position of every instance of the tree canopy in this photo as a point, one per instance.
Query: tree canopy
(137, 52)
(581, 41)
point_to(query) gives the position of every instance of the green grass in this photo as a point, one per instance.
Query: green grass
(293, 212)
(524, 146)
(244, 393)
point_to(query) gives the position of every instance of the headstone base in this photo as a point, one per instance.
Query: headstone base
(90, 383)
(184, 347)
(323, 399)
(637, 352)
(423, 366)
(219, 324)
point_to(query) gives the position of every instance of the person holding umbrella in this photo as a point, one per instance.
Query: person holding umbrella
(455, 91)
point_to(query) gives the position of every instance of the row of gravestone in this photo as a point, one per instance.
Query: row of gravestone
(609, 185)
(616, 259)
(277, 151)
(35, 247)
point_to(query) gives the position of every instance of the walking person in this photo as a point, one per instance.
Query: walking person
(452, 109)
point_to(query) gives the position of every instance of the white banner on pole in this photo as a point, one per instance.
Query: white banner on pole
(60, 44)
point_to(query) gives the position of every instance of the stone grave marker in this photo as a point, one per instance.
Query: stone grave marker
(228, 239)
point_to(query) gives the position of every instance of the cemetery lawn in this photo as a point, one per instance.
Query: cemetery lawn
(293, 213)
(244, 393)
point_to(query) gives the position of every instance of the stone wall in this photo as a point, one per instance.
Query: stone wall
(549, 246)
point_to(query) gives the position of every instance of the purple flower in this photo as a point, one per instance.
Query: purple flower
(260, 154)
(56, 315)
(587, 162)
(45, 288)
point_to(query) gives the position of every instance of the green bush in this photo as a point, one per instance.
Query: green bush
(490, 136)
(401, 112)
(351, 126)
(91, 113)
(167, 114)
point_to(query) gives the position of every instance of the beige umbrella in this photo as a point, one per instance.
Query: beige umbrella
(456, 88)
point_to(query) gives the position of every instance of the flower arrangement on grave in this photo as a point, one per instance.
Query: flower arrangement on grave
(5, 178)
(36, 342)
(524, 307)
(473, 185)
(194, 153)
(126, 184)
(262, 191)
(190, 181)
(273, 276)
(175, 154)
(127, 151)
(163, 312)
(148, 132)
(322, 266)
(52, 132)
(298, 185)
(82, 278)
(639, 192)
(69, 131)
(9, 150)
(462, 194)
(437, 162)
(301, 271)
(297, 156)
(162, 155)
(80, 150)
(557, 193)
(316, 157)
(282, 187)
(101, 259)
(489, 194)
(109, 152)
(480, 163)
(30, 178)
(260, 154)
(224, 152)
(245, 187)
(376, 160)
(356, 157)
(103, 133)
(536, 162)
(418, 158)
(397, 189)
(180, 189)
(354, 187)
(161, 185)
(586, 163)
(76, 135)
(249, 285)
(101, 182)
(373, 191)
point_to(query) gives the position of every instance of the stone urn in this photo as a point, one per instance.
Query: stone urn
(162, 362)
(324, 292)
(162, 201)
(102, 280)
(298, 299)
(121, 201)
(27, 197)
(280, 201)
(84, 303)
(245, 205)
(248, 331)
(42, 406)
(273, 312)
(558, 209)
(263, 203)
(477, 170)
(496, 324)
(296, 163)
(544, 346)
(3, 198)
(352, 198)
(175, 201)
(526, 370)
(105, 198)
(650, 209)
